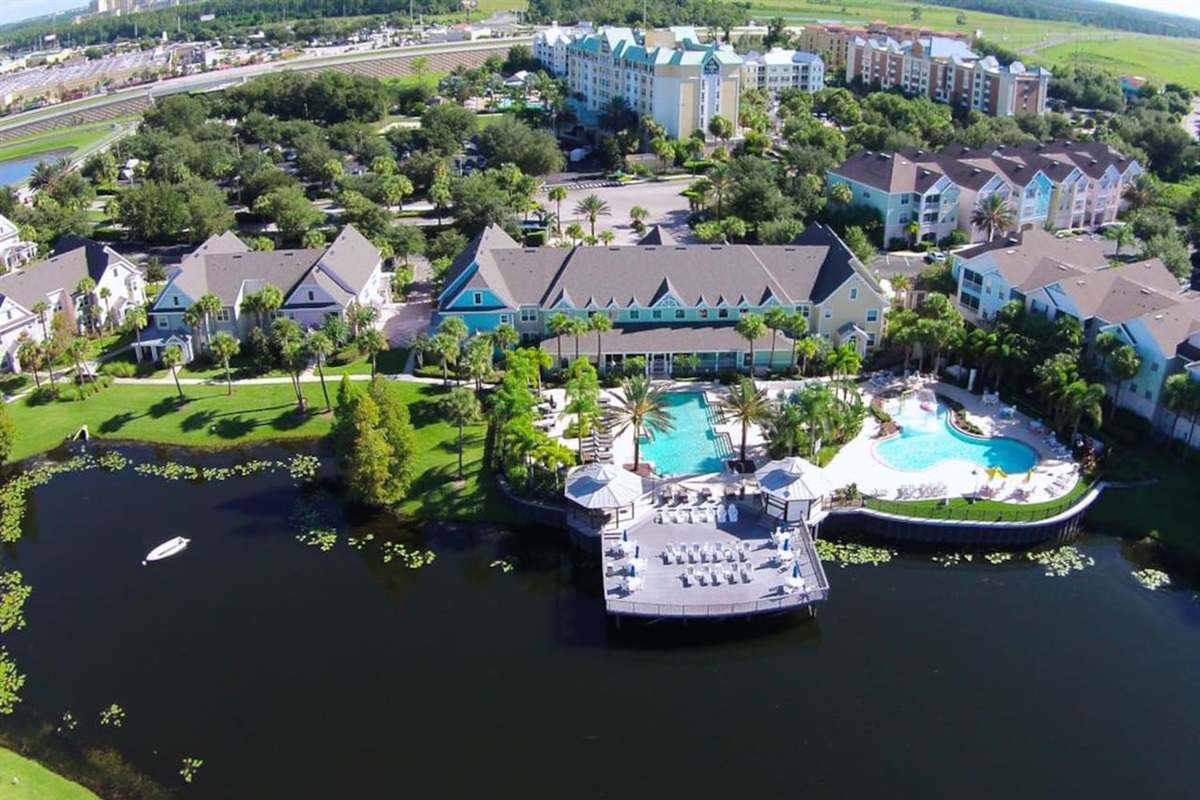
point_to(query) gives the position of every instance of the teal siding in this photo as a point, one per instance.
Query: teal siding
(487, 299)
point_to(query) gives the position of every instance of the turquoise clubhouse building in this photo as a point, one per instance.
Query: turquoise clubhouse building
(664, 299)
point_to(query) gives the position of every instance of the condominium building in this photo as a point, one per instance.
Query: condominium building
(1064, 183)
(550, 46)
(1143, 304)
(667, 75)
(779, 69)
(948, 71)
(832, 42)
(667, 300)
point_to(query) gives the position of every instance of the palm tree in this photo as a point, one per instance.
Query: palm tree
(252, 303)
(505, 336)
(606, 237)
(172, 357)
(41, 309)
(592, 207)
(1177, 398)
(320, 346)
(78, 350)
(994, 215)
(1125, 365)
(454, 327)
(372, 343)
(1107, 343)
(600, 323)
(575, 233)
(1142, 193)
(796, 327)
(816, 404)
(776, 319)
(106, 293)
(30, 357)
(751, 327)
(1083, 399)
(460, 407)
(557, 194)
(445, 348)
(209, 305)
(136, 319)
(844, 360)
(638, 215)
(720, 183)
(746, 404)
(84, 288)
(577, 326)
(913, 229)
(360, 317)
(558, 324)
(225, 346)
(1122, 235)
(786, 428)
(642, 406)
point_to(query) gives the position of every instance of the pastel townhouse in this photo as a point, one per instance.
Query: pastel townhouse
(666, 300)
(315, 284)
(13, 251)
(118, 286)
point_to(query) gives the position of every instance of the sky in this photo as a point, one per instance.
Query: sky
(13, 10)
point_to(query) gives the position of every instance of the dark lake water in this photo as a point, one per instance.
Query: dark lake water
(296, 673)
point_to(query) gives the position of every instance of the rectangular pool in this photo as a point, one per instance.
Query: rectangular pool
(691, 447)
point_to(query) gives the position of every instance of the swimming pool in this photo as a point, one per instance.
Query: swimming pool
(691, 447)
(927, 438)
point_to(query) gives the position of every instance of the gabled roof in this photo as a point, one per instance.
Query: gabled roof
(839, 264)
(1020, 254)
(1172, 326)
(74, 260)
(190, 277)
(657, 236)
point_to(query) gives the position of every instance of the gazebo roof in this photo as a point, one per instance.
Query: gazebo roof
(603, 486)
(794, 478)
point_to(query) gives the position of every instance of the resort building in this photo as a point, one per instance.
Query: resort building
(666, 300)
(1143, 303)
(13, 251)
(1067, 184)
(314, 283)
(118, 285)
(666, 75)
(550, 46)
(948, 71)
(779, 69)
(832, 42)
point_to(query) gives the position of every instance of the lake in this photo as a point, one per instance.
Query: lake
(297, 673)
(16, 171)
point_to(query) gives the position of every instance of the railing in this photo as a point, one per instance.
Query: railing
(781, 603)
(969, 513)
(724, 445)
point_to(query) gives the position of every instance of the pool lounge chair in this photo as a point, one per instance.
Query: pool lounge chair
(721, 514)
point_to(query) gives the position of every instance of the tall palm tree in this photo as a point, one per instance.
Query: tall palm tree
(786, 428)
(816, 404)
(104, 294)
(1122, 235)
(77, 350)
(320, 346)
(600, 324)
(460, 407)
(1142, 193)
(1125, 365)
(136, 319)
(84, 288)
(796, 328)
(720, 183)
(643, 407)
(372, 343)
(1178, 391)
(209, 305)
(477, 358)
(272, 300)
(505, 337)
(576, 327)
(776, 319)
(225, 346)
(844, 360)
(750, 327)
(557, 194)
(1083, 399)
(30, 357)
(592, 207)
(558, 324)
(746, 405)
(445, 348)
(172, 357)
(994, 215)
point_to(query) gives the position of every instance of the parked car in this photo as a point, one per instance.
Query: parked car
(936, 255)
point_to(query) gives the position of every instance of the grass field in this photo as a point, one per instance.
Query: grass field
(35, 782)
(261, 413)
(63, 140)
(990, 510)
(1158, 58)
(1165, 510)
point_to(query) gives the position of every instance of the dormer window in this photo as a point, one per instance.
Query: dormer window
(477, 298)
(311, 296)
(853, 292)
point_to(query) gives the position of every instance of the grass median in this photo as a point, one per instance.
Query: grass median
(261, 413)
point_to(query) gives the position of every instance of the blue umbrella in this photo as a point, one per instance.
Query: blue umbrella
(625, 535)
(632, 571)
(796, 571)
(787, 544)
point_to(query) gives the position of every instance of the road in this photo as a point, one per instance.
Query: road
(211, 80)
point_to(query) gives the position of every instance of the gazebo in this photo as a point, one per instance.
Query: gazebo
(793, 489)
(602, 496)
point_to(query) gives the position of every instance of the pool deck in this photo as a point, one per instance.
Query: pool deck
(1052, 478)
(751, 576)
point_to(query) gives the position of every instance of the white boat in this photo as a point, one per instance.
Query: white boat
(167, 549)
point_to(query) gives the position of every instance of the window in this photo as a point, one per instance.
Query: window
(827, 315)
(506, 319)
(870, 340)
(477, 298)
(903, 199)
(1133, 388)
(704, 313)
(1149, 395)
(223, 315)
(853, 292)
(162, 322)
(175, 300)
(866, 194)
(969, 300)
(656, 314)
(723, 313)
(529, 315)
(1154, 367)
(872, 315)
(311, 296)
(680, 313)
(634, 314)
(805, 311)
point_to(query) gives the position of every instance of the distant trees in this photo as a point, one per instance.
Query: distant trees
(374, 441)
(510, 141)
(290, 209)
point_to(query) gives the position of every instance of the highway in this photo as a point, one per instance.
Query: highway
(209, 81)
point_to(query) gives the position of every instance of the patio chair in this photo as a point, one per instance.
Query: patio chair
(747, 575)
(721, 514)
(716, 577)
(680, 557)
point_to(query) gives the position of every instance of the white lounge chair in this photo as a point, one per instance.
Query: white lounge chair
(702, 577)
(716, 577)
(748, 574)
(721, 514)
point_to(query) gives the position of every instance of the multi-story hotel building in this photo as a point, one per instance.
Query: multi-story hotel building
(947, 71)
(667, 75)
(779, 69)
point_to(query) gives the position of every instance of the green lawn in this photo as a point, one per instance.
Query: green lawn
(260, 413)
(1161, 59)
(389, 362)
(60, 140)
(989, 510)
(35, 781)
(1165, 510)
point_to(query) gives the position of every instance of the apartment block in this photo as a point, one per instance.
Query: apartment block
(779, 69)
(948, 71)
(667, 75)
(1064, 183)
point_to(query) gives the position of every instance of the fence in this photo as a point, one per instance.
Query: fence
(782, 603)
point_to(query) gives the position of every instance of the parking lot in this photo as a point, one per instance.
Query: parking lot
(663, 200)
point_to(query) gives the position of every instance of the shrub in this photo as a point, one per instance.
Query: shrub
(897, 243)
(728, 377)
(955, 239)
(119, 369)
